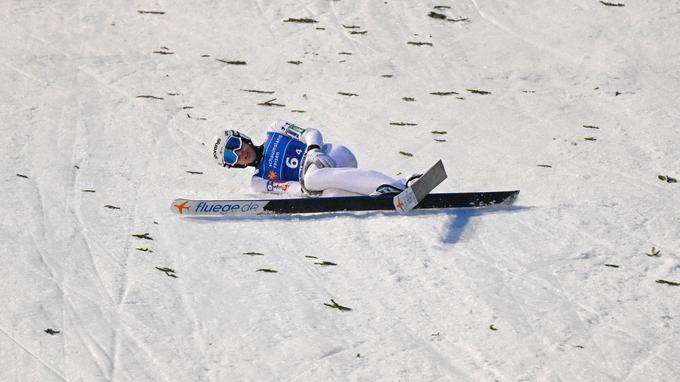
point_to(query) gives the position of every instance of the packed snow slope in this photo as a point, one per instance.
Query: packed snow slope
(106, 107)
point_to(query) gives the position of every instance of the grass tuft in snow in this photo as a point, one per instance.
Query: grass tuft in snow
(111, 207)
(236, 62)
(667, 179)
(654, 253)
(143, 12)
(348, 94)
(403, 124)
(671, 283)
(164, 50)
(258, 91)
(194, 172)
(405, 153)
(51, 331)
(409, 99)
(438, 132)
(267, 270)
(475, 91)
(419, 43)
(337, 306)
(144, 249)
(441, 16)
(443, 93)
(612, 4)
(437, 16)
(326, 263)
(294, 62)
(142, 236)
(150, 97)
(271, 103)
(168, 271)
(300, 20)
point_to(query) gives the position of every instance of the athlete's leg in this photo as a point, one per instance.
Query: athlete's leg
(341, 155)
(338, 192)
(345, 179)
(353, 180)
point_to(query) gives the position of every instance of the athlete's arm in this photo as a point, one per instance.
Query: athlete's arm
(311, 137)
(275, 186)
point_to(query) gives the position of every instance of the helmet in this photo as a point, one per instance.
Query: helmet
(225, 145)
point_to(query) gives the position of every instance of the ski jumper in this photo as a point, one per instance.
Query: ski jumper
(282, 166)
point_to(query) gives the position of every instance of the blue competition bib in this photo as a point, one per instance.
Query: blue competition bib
(282, 158)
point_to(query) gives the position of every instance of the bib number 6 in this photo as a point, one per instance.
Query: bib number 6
(292, 162)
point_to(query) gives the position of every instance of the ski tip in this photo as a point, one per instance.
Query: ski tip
(180, 206)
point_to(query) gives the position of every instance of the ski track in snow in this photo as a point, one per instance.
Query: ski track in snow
(531, 292)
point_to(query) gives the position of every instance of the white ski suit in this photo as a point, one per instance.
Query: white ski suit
(289, 166)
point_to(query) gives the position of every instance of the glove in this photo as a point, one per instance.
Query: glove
(319, 158)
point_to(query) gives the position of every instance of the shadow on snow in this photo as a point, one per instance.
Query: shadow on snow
(459, 217)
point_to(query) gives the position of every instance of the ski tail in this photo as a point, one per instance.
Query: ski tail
(408, 199)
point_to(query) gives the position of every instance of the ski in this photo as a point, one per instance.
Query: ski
(385, 202)
(408, 199)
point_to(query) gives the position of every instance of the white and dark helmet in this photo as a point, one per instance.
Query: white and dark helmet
(225, 146)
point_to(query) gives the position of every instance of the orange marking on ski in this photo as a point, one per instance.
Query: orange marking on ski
(181, 207)
(399, 204)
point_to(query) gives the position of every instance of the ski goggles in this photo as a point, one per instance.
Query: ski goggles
(233, 144)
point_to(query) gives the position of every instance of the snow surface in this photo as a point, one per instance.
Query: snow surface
(524, 293)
